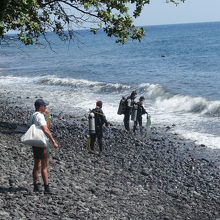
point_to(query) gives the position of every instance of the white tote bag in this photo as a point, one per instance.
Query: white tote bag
(35, 137)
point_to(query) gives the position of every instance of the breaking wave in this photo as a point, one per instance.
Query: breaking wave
(187, 103)
(160, 95)
(85, 84)
(97, 87)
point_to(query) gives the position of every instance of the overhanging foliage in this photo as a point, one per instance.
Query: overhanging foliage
(33, 18)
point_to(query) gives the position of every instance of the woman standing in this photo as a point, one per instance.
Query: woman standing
(41, 155)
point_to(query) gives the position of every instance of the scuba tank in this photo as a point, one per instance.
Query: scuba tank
(91, 123)
(129, 102)
(134, 113)
(122, 106)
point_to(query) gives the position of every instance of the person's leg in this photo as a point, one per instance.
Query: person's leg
(41, 158)
(44, 170)
(44, 173)
(92, 141)
(37, 164)
(100, 143)
(135, 126)
(140, 124)
(126, 121)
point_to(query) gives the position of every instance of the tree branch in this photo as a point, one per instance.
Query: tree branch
(78, 9)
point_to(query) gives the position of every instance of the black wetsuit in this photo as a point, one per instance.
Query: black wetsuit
(140, 111)
(100, 120)
(128, 112)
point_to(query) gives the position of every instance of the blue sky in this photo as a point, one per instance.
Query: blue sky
(192, 11)
(160, 12)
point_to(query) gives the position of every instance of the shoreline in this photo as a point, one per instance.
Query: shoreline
(160, 176)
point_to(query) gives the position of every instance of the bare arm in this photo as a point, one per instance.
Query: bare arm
(49, 135)
(48, 118)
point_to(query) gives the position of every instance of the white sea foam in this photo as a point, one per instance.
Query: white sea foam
(167, 101)
(83, 84)
(188, 113)
(185, 103)
(163, 99)
(207, 139)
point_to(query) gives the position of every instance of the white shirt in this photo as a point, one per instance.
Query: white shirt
(38, 119)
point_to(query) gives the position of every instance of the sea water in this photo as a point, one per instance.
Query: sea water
(176, 68)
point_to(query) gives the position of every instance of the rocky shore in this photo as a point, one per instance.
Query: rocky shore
(155, 176)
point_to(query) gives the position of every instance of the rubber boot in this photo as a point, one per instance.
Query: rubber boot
(37, 187)
(47, 189)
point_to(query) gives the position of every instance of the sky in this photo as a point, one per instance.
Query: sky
(192, 11)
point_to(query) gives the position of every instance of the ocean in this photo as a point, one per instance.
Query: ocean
(176, 68)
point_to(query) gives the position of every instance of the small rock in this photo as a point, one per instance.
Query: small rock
(4, 214)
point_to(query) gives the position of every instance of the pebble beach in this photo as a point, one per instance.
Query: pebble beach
(158, 175)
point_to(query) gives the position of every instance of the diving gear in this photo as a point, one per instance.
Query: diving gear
(122, 106)
(91, 123)
(134, 113)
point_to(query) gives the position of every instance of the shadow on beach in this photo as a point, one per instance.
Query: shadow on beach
(12, 128)
(12, 189)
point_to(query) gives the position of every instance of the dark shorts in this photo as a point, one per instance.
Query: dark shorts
(41, 152)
